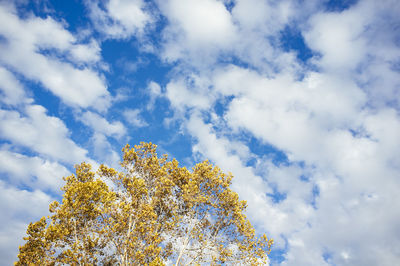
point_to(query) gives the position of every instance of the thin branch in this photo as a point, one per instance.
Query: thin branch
(76, 239)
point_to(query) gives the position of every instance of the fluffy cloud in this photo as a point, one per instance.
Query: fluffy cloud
(201, 33)
(338, 188)
(228, 155)
(104, 151)
(101, 125)
(201, 22)
(12, 90)
(336, 198)
(18, 206)
(154, 91)
(196, 30)
(189, 92)
(34, 172)
(102, 129)
(359, 42)
(119, 18)
(265, 17)
(338, 36)
(132, 117)
(334, 118)
(46, 135)
(37, 42)
(313, 106)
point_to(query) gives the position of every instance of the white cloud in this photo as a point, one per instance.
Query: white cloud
(19, 207)
(29, 203)
(26, 43)
(265, 17)
(154, 91)
(119, 18)
(313, 106)
(338, 36)
(101, 125)
(199, 33)
(103, 150)
(351, 194)
(12, 90)
(197, 29)
(205, 21)
(191, 91)
(86, 53)
(249, 186)
(11, 237)
(132, 116)
(34, 171)
(46, 135)
(338, 126)
(359, 42)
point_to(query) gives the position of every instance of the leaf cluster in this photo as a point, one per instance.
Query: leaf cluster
(153, 212)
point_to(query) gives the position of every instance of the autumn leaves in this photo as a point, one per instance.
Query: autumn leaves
(153, 212)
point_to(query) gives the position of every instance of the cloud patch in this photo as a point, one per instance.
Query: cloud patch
(45, 135)
(34, 172)
(119, 18)
(38, 42)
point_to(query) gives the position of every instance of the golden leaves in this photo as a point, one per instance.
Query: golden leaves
(156, 212)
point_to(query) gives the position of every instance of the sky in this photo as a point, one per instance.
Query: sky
(300, 100)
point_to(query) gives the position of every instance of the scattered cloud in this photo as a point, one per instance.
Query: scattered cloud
(12, 91)
(236, 96)
(119, 18)
(45, 135)
(188, 92)
(38, 42)
(154, 91)
(132, 116)
(32, 171)
(197, 30)
(321, 121)
(100, 125)
(103, 151)
(18, 207)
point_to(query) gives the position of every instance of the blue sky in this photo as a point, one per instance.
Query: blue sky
(300, 100)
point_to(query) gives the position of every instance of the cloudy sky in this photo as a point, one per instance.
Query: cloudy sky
(300, 100)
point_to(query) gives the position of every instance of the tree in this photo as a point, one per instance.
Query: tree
(153, 212)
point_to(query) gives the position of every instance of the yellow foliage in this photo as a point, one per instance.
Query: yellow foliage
(155, 212)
